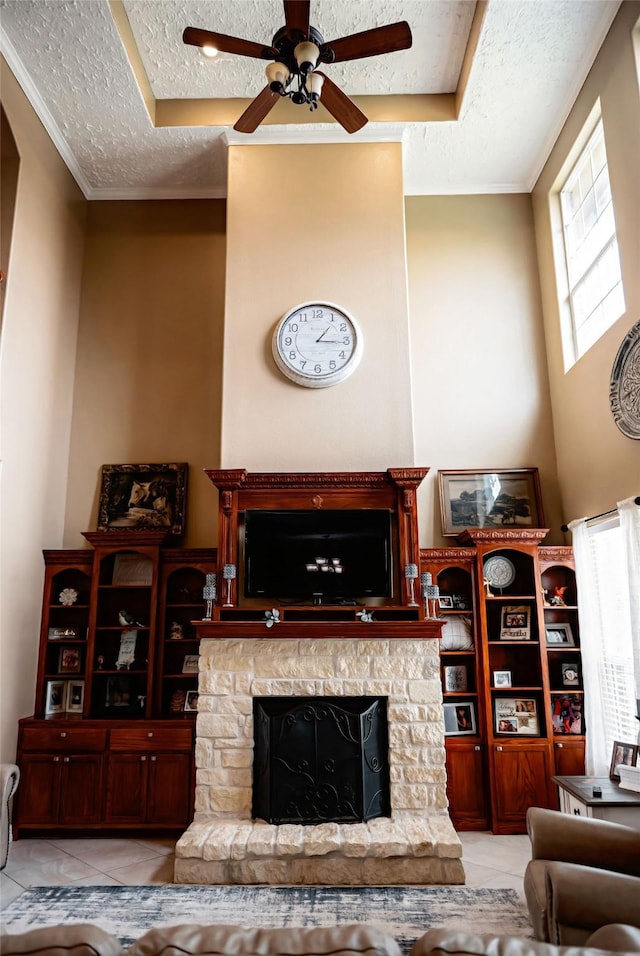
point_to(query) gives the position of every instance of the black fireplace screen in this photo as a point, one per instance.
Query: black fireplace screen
(320, 759)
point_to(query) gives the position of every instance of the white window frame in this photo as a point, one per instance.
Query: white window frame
(570, 284)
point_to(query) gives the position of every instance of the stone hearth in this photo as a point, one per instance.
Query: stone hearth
(223, 845)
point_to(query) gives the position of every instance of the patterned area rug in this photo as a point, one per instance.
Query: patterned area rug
(402, 912)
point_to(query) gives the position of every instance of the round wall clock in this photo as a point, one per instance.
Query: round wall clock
(499, 571)
(317, 344)
(624, 389)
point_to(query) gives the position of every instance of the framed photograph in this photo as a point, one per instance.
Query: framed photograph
(515, 623)
(69, 660)
(461, 602)
(55, 697)
(132, 570)
(143, 497)
(516, 715)
(559, 634)
(566, 714)
(626, 754)
(490, 499)
(446, 600)
(459, 719)
(570, 674)
(502, 678)
(75, 696)
(190, 663)
(191, 700)
(66, 633)
(455, 678)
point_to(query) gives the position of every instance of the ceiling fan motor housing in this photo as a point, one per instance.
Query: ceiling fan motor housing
(285, 43)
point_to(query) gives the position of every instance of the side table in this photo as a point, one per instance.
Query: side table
(616, 805)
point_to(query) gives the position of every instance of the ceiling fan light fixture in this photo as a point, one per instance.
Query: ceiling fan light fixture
(306, 56)
(278, 76)
(314, 85)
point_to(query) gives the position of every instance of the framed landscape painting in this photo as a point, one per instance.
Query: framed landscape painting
(143, 497)
(490, 499)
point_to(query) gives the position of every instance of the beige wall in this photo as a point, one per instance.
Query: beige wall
(480, 389)
(597, 464)
(148, 381)
(351, 252)
(37, 364)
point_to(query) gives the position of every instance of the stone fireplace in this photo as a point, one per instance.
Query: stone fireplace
(416, 844)
(385, 649)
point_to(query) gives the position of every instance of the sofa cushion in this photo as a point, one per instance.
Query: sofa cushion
(617, 938)
(442, 942)
(192, 940)
(535, 891)
(78, 939)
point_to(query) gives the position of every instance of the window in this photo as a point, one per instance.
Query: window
(595, 293)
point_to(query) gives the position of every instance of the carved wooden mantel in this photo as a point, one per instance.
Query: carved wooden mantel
(393, 489)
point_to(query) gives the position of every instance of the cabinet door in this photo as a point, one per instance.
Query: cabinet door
(466, 788)
(80, 789)
(569, 758)
(521, 779)
(127, 788)
(169, 794)
(37, 795)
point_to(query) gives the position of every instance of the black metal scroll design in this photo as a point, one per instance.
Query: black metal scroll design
(320, 760)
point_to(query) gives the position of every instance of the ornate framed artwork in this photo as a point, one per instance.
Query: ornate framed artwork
(488, 498)
(143, 497)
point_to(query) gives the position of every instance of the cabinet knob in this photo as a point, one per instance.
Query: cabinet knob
(150, 734)
(152, 759)
(498, 748)
(559, 746)
(63, 733)
(576, 812)
(143, 759)
(56, 759)
(65, 760)
(477, 747)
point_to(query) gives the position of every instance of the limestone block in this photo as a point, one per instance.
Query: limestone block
(325, 871)
(399, 735)
(356, 840)
(289, 839)
(419, 836)
(412, 668)
(242, 685)
(373, 648)
(197, 871)
(321, 839)
(193, 839)
(239, 843)
(306, 688)
(234, 705)
(235, 757)
(204, 752)
(446, 839)
(230, 799)
(407, 713)
(354, 667)
(421, 692)
(385, 838)
(219, 725)
(348, 688)
(262, 840)
(212, 682)
(218, 845)
(407, 797)
(258, 871)
(231, 777)
(202, 802)
(378, 688)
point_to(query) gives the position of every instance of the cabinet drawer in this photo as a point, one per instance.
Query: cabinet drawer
(64, 738)
(163, 738)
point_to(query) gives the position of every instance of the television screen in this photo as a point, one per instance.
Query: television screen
(328, 556)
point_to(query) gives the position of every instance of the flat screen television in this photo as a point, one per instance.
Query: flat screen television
(331, 556)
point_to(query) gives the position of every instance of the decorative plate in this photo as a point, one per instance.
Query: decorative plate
(624, 389)
(499, 571)
(68, 596)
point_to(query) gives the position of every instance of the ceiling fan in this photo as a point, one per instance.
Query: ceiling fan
(295, 51)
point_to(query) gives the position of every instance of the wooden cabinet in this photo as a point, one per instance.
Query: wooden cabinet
(515, 601)
(453, 570)
(563, 658)
(98, 752)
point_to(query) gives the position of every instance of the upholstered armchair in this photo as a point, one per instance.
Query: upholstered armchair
(584, 874)
(9, 776)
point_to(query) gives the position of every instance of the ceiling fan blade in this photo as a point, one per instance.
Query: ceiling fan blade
(296, 14)
(395, 36)
(196, 37)
(340, 106)
(256, 111)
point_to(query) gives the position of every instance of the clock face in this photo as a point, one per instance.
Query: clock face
(317, 344)
(499, 572)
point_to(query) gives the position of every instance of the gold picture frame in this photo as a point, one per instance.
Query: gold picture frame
(489, 498)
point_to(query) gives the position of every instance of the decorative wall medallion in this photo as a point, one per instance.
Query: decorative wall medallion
(624, 389)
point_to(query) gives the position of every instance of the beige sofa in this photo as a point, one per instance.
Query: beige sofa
(583, 874)
(354, 940)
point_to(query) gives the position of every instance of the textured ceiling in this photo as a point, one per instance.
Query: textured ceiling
(92, 67)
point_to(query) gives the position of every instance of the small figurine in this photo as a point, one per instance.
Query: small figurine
(128, 620)
(557, 600)
(175, 631)
(100, 662)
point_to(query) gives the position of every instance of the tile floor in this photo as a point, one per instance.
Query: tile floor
(489, 860)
